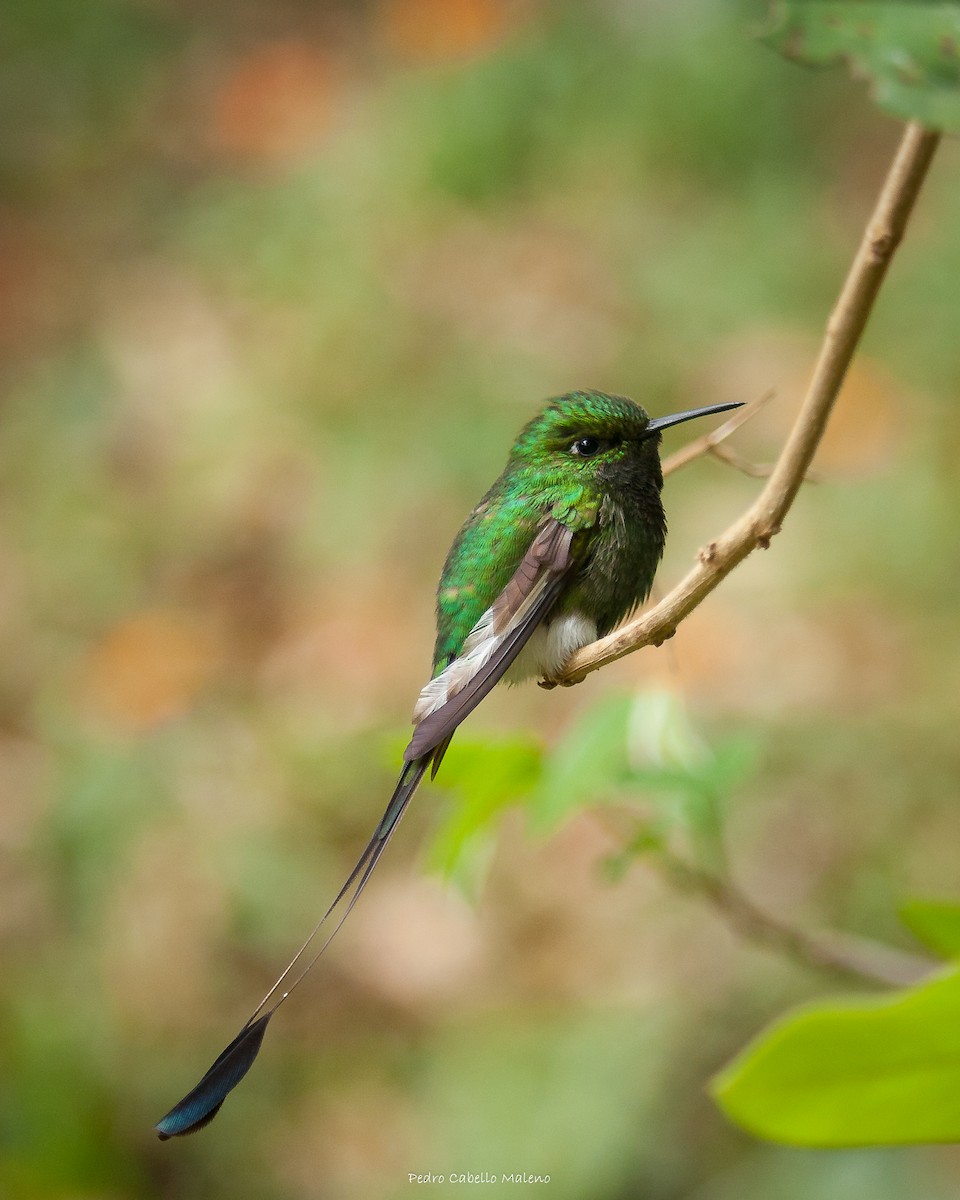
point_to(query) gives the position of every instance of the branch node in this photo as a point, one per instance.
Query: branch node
(708, 553)
(881, 244)
(765, 536)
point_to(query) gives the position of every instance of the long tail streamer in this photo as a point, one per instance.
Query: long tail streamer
(200, 1105)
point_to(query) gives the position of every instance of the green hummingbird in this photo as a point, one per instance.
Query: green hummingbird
(562, 548)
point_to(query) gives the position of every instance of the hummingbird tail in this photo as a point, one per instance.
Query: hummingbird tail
(202, 1103)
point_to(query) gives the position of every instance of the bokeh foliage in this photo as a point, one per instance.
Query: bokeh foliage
(280, 283)
(909, 50)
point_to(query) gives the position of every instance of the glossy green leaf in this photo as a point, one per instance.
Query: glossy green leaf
(936, 923)
(854, 1073)
(909, 52)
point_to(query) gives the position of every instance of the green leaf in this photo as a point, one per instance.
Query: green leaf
(936, 923)
(688, 782)
(856, 1073)
(585, 763)
(487, 777)
(660, 733)
(909, 52)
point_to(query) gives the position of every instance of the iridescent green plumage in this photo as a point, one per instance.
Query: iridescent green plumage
(562, 547)
(610, 499)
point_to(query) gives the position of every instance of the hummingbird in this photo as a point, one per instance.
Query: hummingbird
(560, 550)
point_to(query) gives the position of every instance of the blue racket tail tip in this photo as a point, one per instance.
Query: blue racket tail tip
(200, 1105)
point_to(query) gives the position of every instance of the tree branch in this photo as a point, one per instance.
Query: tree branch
(765, 516)
(852, 958)
(754, 470)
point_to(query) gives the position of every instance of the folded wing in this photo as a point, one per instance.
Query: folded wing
(495, 640)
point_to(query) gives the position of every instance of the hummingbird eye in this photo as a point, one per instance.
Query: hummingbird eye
(585, 447)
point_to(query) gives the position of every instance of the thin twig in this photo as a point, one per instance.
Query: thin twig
(754, 470)
(842, 954)
(765, 516)
(708, 443)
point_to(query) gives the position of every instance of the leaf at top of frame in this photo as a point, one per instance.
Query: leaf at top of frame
(908, 50)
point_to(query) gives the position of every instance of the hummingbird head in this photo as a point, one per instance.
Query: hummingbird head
(610, 439)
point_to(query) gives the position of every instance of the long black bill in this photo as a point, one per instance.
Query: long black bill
(659, 423)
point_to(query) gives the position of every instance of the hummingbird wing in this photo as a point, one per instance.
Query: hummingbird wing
(489, 649)
(495, 640)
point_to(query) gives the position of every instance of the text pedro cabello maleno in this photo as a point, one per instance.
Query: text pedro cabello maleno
(478, 1177)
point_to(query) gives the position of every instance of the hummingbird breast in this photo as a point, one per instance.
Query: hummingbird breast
(623, 553)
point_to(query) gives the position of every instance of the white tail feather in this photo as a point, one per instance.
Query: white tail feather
(480, 644)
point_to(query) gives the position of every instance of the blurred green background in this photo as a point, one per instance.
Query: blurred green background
(279, 284)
